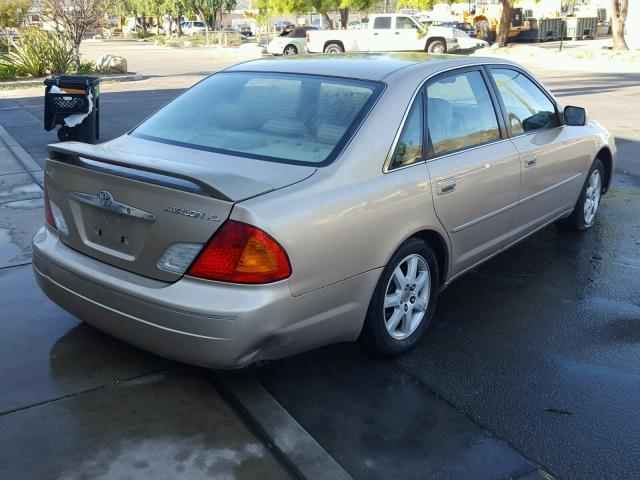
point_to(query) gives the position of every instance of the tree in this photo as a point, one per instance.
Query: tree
(13, 13)
(71, 19)
(619, 10)
(208, 11)
(346, 5)
(504, 25)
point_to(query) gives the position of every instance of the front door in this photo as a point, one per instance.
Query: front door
(553, 159)
(405, 36)
(474, 168)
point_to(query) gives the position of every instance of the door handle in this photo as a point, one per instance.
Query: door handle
(446, 186)
(397, 33)
(529, 161)
(375, 33)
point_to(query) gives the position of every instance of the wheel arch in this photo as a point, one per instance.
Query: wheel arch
(435, 39)
(337, 42)
(436, 241)
(606, 157)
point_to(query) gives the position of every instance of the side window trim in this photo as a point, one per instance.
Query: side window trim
(503, 108)
(497, 108)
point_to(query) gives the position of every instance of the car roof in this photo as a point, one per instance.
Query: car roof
(367, 66)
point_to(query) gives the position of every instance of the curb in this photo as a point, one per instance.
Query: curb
(103, 78)
(26, 161)
(292, 444)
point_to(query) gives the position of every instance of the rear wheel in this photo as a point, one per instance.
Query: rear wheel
(437, 46)
(290, 50)
(403, 300)
(584, 213)
(333, 48)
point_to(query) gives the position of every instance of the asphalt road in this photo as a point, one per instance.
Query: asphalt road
(540, 346)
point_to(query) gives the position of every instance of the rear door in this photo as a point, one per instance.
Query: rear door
(381, 36)
(552, 157)
(474, 168)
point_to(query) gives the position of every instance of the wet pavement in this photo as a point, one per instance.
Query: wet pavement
(532, 359)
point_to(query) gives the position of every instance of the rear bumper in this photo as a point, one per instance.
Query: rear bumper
(204, 323)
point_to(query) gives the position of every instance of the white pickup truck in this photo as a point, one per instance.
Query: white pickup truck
(384, 33)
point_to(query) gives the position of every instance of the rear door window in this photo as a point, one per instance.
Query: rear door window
(460, 113)
(409, 149)
(382, 23)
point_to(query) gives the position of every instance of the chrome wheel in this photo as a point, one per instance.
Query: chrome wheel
(592, 197)
(407, 296)
(290, 50)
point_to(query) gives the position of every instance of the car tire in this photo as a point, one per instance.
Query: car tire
(290, 50)
(437, 46)
(333, 48)
(584, 213)
(383, 331)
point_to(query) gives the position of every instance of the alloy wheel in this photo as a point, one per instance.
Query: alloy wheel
(592, 197)
(407, 296)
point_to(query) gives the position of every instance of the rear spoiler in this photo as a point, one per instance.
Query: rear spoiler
(191, 178)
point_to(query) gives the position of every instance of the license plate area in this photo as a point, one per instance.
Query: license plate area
(115, 231)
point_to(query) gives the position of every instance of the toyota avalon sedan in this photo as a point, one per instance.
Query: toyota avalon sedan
(284, 204)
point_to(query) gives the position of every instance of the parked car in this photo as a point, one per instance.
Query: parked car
(284, 26)
(464, 26)
(283, 204)
(244, 30)
(290, 42)
(384, 33)
(193, 28)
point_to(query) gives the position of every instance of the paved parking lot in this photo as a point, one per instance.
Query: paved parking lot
(533, 359)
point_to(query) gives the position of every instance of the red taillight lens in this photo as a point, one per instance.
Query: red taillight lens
(307, 37)
(241, 253)
(48, 214)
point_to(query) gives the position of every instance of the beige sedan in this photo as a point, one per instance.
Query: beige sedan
(285, 204)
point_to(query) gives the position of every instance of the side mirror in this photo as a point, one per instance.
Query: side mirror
(575, 116)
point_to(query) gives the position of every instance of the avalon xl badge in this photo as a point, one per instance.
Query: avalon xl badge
(187, 212)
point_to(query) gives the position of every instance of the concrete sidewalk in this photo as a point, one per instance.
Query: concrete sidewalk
(79, 404)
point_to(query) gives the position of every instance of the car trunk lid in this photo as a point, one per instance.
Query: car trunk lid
(127, 209)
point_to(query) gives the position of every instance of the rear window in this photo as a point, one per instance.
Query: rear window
(292, 118)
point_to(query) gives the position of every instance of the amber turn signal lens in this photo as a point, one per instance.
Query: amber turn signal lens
(241, 253)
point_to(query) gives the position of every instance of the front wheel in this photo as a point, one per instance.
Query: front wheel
(403, 300)
(584, 213)
(333, 48)
(437, 46)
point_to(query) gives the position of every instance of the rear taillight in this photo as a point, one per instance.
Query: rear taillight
(53, 215)
(48, 214)
(241, 253)
(307, 37)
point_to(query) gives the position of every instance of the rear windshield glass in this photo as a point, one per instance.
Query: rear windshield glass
(293, 118)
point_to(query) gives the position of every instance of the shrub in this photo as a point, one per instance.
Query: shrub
(31, 55)
(87, 67)
(8, 72)
(141, 34)
(62, 55)
(38, 52)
